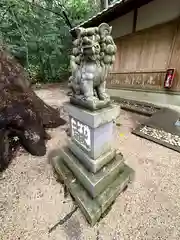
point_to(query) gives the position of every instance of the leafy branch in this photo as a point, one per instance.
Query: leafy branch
(38, 33)
(22, 35)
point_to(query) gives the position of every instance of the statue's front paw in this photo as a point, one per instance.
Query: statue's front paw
(92, 102)
(104, 96)
(91, 99)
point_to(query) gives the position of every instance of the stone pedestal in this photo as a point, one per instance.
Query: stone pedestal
(89, 165)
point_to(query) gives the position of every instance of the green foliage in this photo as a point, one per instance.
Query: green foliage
(40, 39)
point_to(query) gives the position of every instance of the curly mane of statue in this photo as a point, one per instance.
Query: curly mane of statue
(93, 56)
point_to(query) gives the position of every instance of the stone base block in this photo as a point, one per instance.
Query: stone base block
(92, 131)
(91, 164)
(96, 118)
(92, 208)
(94, 183)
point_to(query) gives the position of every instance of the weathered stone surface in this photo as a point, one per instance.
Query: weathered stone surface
(92, 208)
(92, 131)
(94, 183)
(91, 164)
(96, 118)
(94, 173)
(91, 105)
(92, 57)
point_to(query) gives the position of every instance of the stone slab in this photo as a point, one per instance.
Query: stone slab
(96, 118)
(94, 141)
(93, 165)
(94, 183)
(165, 119)
(138, 133)
(92, 208)
(158, 97)
(143, 108)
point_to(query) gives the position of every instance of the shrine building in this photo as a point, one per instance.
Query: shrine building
(147, 35)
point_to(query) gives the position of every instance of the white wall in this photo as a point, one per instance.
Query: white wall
(151, 14)
(122, 26)
(156, 12)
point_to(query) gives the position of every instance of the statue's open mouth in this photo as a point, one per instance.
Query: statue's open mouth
(88, 50)
(89, 46)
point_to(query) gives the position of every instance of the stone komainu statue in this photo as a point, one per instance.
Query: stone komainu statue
(93, 56)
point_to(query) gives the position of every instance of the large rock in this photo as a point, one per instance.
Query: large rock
(22, 113)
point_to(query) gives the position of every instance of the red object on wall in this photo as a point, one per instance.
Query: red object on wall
(170, 74)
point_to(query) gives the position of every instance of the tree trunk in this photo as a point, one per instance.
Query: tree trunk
(23, 115)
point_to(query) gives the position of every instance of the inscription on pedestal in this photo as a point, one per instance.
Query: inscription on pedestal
(81, 133)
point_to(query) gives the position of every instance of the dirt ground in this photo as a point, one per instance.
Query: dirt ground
(32, 201)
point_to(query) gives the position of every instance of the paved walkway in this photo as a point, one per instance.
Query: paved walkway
(31, 201)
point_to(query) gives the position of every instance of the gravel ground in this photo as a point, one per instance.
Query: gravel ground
(31, 201)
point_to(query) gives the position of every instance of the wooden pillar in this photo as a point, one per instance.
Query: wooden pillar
(134, 20)
(104, 4)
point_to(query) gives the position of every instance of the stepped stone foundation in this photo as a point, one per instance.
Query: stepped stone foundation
(92, 170)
